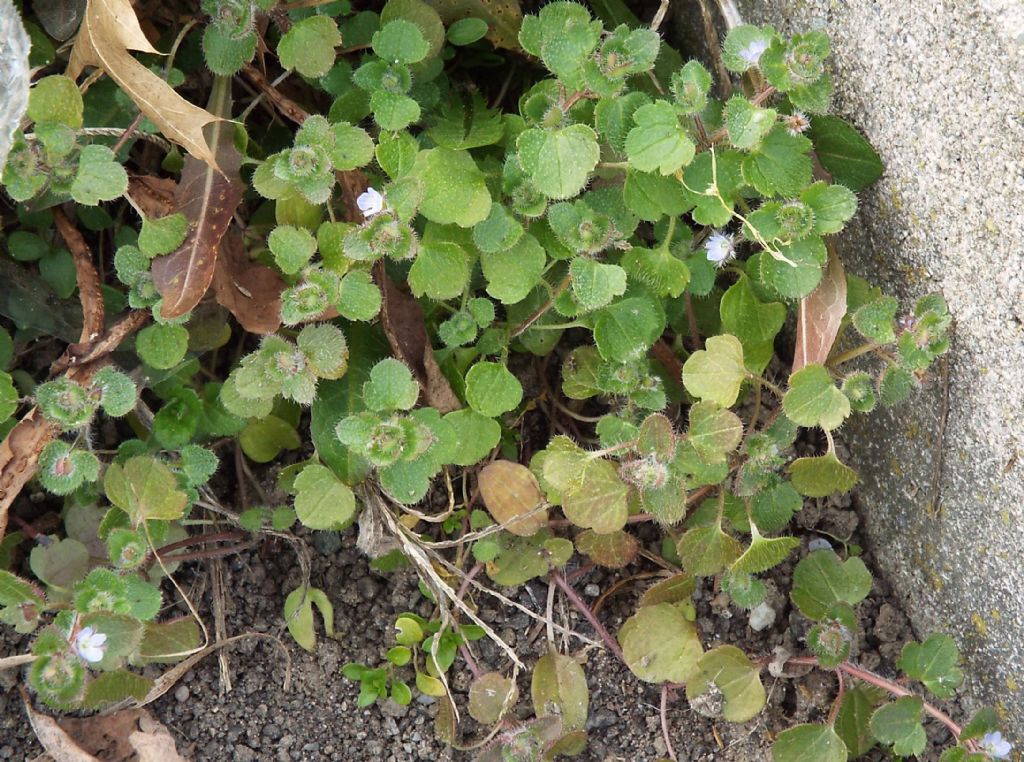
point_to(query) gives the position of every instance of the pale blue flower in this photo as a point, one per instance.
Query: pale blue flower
(720, 248)
(370, 203)
(752, 53)
(90, 644)
(994, 745)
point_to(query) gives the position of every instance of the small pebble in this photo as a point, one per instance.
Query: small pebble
(762, 617)
(181, 694)
(819, 543)
(592, 590)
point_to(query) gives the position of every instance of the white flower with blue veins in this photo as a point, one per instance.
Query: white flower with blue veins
(90, 644)
(370, 202)
(720, 248)
(752, 53)
(995, 746)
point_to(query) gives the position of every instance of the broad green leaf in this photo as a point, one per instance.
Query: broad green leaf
(558, 687)
(162, 235)
(512, 273)
(441, 271)
(707, 550)
(899, 725)
(59, 563)
(814, 400)
(99, 178)
(771, 509)
(746, 123)
(338, 399)
(821, 476)
(124, 634)
(809, 743)
(298, 613)
(467, 31)
(595, 498)
(322, 500)
(308, 47)
(821, 580)
(876, 320)
(933, 663)
(658, 142)
(650, 196)
(512, 495)
(676, 589)
(717, 371)
(656, 437)
(56, 99)
(292, 247)
(852, 721)
(169, 642)
(844, 152)
(491, 389)
(713, 431)
(162, 346)
(764, 552)
(111, 687)
(833, 206)
(658, 269)
(660, 645)
(263, 439)
(400, 41)
(613, 117)
(798, 276)
(729, 669)
(391, 386)
(476, 435)
(780, 165)
(519, 559)
(394, 111)
(453, 187)
(8, 397)
(747, 318)
(558, 161)
(145, 489)
(498, 232)
(626, 329)
(595, 284)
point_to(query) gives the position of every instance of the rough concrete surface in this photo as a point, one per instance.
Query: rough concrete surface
(938, 87)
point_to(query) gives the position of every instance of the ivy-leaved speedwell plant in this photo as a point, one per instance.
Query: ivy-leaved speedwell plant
(605, 239)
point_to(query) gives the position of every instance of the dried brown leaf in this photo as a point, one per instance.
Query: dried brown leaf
(208, 198)
(153, 195)
(109, 30)
(511, 493)
(19, 456)
(250, 290)
(153, 742)
(613, 550)
(406, 332)
(89, 291)
(53, 738)
(820, 314)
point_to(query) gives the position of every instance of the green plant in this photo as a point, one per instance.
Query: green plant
(417, 258)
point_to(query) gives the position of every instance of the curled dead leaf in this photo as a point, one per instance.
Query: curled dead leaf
(153, 195)
(109, 30)
(249, 290)
(208, 197)
(820, 314)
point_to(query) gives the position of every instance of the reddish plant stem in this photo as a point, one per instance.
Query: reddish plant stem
(664, 722)
(834, 711)
(463, 648)
(880, 682)
(663, 353)
(198, 555)
(584, 609)
(543, 309)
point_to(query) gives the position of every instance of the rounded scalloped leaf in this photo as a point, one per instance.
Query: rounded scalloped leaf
(491, 389)
(559, 161)
(809, 743)
(660, 645)
(322, 500)
(732, 672)
(512, 496)
(717, 371)
(454, 190)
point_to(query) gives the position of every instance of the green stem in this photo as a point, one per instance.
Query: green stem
(850, 354)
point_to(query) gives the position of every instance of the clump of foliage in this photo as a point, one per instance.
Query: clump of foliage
(603, 239)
